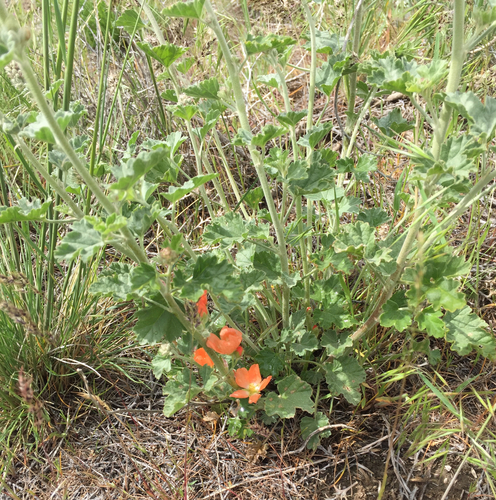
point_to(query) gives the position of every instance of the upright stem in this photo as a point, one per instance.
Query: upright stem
(255, 155)
(457, 59)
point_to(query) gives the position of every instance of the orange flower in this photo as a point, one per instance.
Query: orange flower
(202, 305)
(202, 358)
(240, 350)
(229, 341)
(252, 383)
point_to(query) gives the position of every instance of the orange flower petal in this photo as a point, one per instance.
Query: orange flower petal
(202, 358)
(229, 341)
(240, 350)
(240, 394)
(254, 375)
(254, 398)
(265, 383)
(202, 305)
(241, 376)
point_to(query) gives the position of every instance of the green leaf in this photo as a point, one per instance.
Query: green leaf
(354, 238)
(272, 80)
(160, 365)
(7, 46)
(154, 324)
(344, 376)
(41, 130)
(445, 295)
(336, 344)
(191, 9)
(185, 65)
(482, 117)
(430, 321)
(255, 45)
(374, 216)
(270, 363)
(253, 197)
(291, 118)
(467, 332)
(304, 343)
(111, 224)
(334, 316)
(391, 73)
(309, 425)
(25, 210)
(130, 172)
(319, 177)
(114, 281)
(144, 279)
(232, 228)
(130, 21)
(315, 135)
(396, 313)
(293, 393)
(329, 73)
(270, 264)
(393, 123)
(165, 54)
(176, 193)
(186, 112)
(267, 133)
(208, 89)
(428, 76)
(83, 240)
(326, 43)
(180, 392)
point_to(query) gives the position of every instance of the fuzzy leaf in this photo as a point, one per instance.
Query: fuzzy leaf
(445, 295)
(430, 321)
(334, 316)
(482, 117)
(114, 281)
(374, 216)
(83, 240)
(7, 47)
(336, 344)
(255, 45)
(232, 228)
(329, 73)
(304, 343)
(354, 238)
(344, 376)
(154, 324)
(319, 177)
(130, 172)
(291, 118)
(180, 391)
(309, 425)
(191, 9)
(176, 193)
(130, 21)
(208, 89)
(393, 123)
(161, 365)
(186, 112)
(326, 43)
(396, 313)
(267, 133)
(315, 135)
(467, 332)
(25, 210)
(270, 363)
(165, 54)
(271, 80)
(293, 393)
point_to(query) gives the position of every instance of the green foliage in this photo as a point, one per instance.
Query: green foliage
(309, 425)
(293, 393)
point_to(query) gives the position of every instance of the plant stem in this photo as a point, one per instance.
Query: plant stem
(255, 155)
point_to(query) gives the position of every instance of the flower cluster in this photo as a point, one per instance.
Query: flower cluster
(228, 342)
